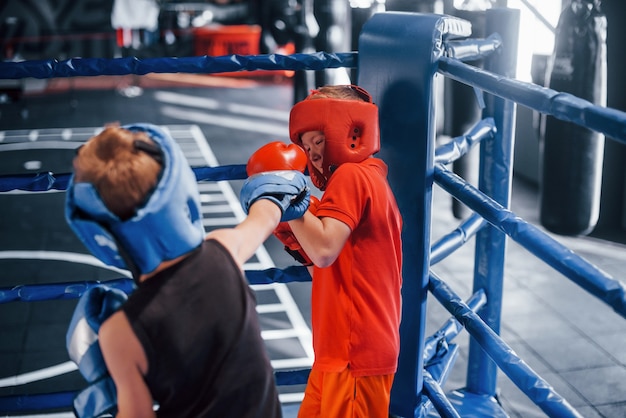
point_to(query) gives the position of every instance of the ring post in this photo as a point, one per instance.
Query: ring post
(495, 174)
(398, 55)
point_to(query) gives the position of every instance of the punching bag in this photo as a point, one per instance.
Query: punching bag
(572, 155)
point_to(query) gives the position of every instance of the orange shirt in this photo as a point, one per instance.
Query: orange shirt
(356, 301)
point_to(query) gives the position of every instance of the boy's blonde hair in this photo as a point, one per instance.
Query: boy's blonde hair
(336, 92)
(121, 172)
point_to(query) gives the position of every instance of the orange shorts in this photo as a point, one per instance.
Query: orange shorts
(341, 395)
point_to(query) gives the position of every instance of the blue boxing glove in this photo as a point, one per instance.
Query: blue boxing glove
(97, 399)
(94, 307)
(286, 188)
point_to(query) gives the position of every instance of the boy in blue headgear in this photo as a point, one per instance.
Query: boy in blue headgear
(187, 340)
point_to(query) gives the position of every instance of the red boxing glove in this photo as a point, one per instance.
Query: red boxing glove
(284, 233)
(277, 156)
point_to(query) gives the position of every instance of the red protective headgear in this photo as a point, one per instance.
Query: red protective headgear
(350, 128)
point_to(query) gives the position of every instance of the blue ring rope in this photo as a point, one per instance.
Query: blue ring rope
(74, 290)
(42, 182)
(63, 400)
(75, 67)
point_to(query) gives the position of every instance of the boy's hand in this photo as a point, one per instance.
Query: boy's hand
(287, 189)
(284, 233)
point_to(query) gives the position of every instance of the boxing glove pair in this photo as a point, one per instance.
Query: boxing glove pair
(276, 173)
(275, 157)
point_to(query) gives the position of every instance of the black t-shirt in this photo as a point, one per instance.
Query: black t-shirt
(199, 328)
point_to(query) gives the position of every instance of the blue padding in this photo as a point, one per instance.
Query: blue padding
(292, 377)
(563, 106)
(196, 65)
(436, 374)
(525, 378)
(472, 405)
(436, 395)
(98, 240)
(224, 172)
(53, 291)
(473, 49)
(27, 182)
(454, 240)
(571, 265)
(439, 343)
(36, 402)
(398, 55)
(461, 145)
(274, 275)
(49, 181)
(73, 290)
(166, 227)
(439, 366)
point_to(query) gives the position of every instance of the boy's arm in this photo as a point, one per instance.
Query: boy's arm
(243, 240)
(268, 198)
(321, 238)
(127, 365)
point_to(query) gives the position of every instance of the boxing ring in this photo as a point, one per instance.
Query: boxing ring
(399, 59)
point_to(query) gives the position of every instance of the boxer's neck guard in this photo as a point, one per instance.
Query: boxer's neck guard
(167, 226)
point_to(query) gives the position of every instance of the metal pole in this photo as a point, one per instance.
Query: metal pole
(496, 162)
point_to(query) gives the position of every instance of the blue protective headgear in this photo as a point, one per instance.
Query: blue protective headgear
(167, 226)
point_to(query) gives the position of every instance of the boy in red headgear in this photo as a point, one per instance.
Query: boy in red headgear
(354, 242)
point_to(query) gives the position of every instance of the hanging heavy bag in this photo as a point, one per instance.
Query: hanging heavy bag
(573, 155)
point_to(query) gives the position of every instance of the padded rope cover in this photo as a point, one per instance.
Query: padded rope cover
(167, 226)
